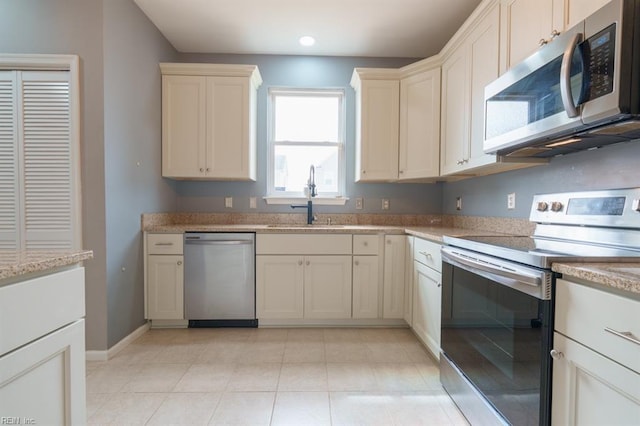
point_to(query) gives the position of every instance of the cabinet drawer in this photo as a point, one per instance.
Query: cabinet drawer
(427, 253)
(365, 244)
(164, 243)
(32, 308)
(302, 244)
(584, 314)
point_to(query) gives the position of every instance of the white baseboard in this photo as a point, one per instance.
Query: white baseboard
(365, 323)
(112, 351)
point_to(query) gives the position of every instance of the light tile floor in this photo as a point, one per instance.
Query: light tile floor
(298, 377)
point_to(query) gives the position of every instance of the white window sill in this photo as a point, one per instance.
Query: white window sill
(335, 201)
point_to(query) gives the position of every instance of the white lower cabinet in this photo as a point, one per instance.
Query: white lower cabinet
(164, 276)
(394, 276)
(596, 372)
(279, 287)
(427, 294)
(42, 350)
(327, 287)
(366, 287)
(165, 295)
(314, 287)
(590, 389)
(408, 281)
(44, 382)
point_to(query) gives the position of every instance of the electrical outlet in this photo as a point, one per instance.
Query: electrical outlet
(511, 201)
(458, 203)
(252, 203)
(359, 203)
(228, 202)
(385, 204)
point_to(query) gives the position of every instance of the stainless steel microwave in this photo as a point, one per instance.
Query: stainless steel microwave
(580, 91)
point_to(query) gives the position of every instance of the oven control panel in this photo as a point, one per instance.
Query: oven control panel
(613, 208)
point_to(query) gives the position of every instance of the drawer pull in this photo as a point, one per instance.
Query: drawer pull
(626, 335)
(164, 244)
(427, 255)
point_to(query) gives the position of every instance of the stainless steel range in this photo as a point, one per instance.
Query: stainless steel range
(497, 301)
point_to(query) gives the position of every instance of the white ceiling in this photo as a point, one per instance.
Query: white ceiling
(374, 28)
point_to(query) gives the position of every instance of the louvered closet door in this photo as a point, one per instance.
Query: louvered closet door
(9, 200)
(46, 160)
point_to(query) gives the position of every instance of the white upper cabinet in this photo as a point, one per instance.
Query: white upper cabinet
(397, 122)
(419, 147)
(577, 10)
(527, 25)
(209, 121)
(471, 60)
(377, 124)
(466, 71)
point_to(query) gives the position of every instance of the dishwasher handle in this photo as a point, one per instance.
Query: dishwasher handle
(193, 240)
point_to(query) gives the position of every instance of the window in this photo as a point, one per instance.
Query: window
(306, 129)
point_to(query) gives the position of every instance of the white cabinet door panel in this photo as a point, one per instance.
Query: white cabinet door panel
(279, 287)
(327, 287)
(366, 287)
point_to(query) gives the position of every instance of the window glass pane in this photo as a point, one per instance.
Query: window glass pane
(292, 164)
(307, 118)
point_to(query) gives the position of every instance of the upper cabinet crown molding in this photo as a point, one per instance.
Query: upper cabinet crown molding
(219, 70)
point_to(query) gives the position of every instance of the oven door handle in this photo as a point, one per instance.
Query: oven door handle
(507, 274)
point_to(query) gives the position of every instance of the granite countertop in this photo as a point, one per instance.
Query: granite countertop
(15, 263)
(621, 276)
(280, 228)
(434, 233)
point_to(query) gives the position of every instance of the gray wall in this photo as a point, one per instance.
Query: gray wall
(119, 51)
(132, 133)
(74, 27)
(315, 72)
(614, 166)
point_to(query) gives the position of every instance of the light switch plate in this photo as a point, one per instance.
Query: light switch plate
(228, 202)
(359, 203)
(252, 203)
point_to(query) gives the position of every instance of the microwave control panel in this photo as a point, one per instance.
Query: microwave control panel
(599, 51)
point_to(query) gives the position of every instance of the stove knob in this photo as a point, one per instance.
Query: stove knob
(556, 206)
(542, 206)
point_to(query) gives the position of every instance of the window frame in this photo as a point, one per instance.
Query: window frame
(279, 197)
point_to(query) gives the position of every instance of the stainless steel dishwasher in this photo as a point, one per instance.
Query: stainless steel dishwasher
(219, 279)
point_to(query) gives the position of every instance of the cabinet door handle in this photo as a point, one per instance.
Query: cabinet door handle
(626, 335)
(179, 262)
(300, 262)
(555, 354)
(308, 263)
(356, 262)
(163, 244)
(201, 170)
(365, 244)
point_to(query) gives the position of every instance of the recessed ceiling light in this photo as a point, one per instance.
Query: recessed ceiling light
(307, 41)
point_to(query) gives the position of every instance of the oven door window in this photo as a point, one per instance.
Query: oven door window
(495, 336)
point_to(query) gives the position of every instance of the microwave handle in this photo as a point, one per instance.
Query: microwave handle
(565, 77)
